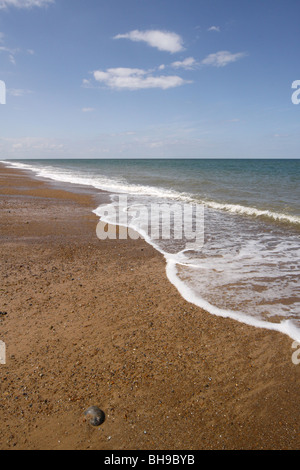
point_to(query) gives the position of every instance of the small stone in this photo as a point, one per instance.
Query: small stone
(96, 416)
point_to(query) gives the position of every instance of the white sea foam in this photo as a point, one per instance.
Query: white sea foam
(252, 211)
(288, 327)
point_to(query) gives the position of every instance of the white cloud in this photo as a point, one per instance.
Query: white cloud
(162, 40)
(279, 136)
(222, 58)
(7, 49)
(88, 110)
(18, 92)
(30, 147)
(12, 59)
(136, 79)
(187, 64)
(24, 3)
(86, 83)
(156, 145)
(11, 52)
(214, 28)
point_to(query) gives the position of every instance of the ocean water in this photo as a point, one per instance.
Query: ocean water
(248, 265)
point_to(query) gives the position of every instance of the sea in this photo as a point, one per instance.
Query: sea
(247, 263)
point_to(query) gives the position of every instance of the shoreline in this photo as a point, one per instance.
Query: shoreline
(135, 347)
(285, 327)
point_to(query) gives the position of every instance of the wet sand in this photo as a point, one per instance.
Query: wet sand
(94, 322)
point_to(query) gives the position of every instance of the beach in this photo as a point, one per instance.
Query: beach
(92, 322)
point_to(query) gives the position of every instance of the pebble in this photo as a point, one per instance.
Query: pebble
(97, 416)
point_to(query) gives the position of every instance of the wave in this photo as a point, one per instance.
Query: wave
(253, 211)
(121, 186)
(100, 182)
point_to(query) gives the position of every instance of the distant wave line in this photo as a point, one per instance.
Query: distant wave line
(111, 185)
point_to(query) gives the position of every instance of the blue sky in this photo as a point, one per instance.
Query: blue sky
(149, 78)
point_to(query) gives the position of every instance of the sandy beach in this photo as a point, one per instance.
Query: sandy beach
(90, 322)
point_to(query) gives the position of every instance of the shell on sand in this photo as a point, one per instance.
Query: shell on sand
(95, 415)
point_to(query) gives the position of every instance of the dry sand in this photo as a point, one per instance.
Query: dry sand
(97, 323)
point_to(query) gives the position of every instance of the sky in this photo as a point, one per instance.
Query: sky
(149, 78)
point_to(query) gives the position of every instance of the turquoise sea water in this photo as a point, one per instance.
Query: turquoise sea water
(248, 268)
